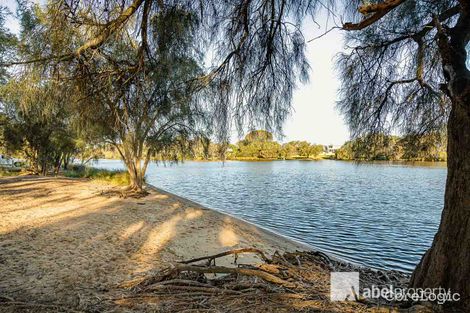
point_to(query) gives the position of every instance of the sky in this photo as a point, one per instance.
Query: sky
(314, 116)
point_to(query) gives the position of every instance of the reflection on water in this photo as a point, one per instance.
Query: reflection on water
(380, 214)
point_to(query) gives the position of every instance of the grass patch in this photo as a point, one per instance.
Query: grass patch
(9, 171)
(115, 177)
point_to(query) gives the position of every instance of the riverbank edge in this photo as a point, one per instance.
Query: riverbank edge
(300, 246)
(270, 233)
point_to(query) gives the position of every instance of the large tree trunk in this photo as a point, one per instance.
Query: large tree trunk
(136, 174)
(447, 263)
(132, 153)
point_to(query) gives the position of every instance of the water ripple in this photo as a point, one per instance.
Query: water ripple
(378, 215)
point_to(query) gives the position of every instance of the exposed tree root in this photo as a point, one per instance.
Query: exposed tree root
(289, 282)
(124, 193)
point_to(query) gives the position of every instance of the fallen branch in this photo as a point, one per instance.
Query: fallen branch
(242, 271)
(210, 258)
(180, 282)
(209, 290)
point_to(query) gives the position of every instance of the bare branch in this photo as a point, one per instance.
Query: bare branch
(420, 66)
(376, 7)
(420, 34)
(379, 10)
(230, 252)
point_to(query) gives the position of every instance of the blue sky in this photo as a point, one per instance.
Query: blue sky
(314, 116)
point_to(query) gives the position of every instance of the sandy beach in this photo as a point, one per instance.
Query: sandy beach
(74, 245)
(62, 240)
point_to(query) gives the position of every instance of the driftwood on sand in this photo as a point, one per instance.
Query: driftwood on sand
(286, 282)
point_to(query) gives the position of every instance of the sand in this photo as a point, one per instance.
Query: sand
(67, 241)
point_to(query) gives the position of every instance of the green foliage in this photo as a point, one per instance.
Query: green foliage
(430, 147)
(35, 116)
(35, 122)
(259, 135)
(141, 69)
(301, 150)
(204, 149)
(259, 144)
(116, 177)
(87, 150)
(258, 150)
(346, 152)
(7, 44)
(146, 109)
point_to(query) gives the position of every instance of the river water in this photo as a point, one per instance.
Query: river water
(382, 215)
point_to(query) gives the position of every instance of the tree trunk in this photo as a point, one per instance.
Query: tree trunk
(66, 162)
(447, 263)
(35, 166)
(43, 165)
(57, 163)
(34, 162)
(136, 175)
(132, 153)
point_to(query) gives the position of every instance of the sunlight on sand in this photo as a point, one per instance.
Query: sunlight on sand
(160, 197)
(192, 214)
(227, 236)
(158, 237)
(38, 216)
(132, 229)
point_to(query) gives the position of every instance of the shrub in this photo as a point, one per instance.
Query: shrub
(5, 171)
(117, 177)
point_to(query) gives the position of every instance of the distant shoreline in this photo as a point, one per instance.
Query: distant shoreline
(410, 162)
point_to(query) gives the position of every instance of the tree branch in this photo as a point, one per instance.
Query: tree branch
(93, 43)
(420, 66)
(379, 10)
(377, 7)
(235, 251)
(420, 34)
(110, 29)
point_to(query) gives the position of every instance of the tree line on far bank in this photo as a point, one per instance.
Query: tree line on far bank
(260, 145)
(256, 145)
(429, 147)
